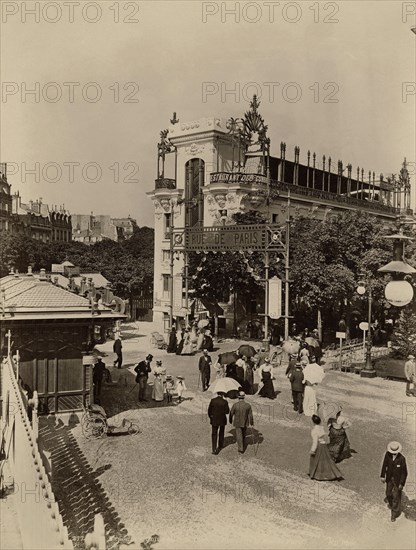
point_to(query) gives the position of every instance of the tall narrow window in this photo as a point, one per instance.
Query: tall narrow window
(167, 225)
(194, 183)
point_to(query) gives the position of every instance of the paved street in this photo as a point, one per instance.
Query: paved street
(165, 481)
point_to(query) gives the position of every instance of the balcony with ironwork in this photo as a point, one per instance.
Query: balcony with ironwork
(165, 183)
(365, 199)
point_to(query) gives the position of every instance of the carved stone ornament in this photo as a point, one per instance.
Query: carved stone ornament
(194, 149)
(221, 199)
(165, 204)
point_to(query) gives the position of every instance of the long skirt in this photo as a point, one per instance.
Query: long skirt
(267, 390)
(249, 381)
(309, 401)
(173, 343)
(157, 393)
(339, 445)
(322, 467)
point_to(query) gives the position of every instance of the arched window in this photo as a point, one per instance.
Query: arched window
(194, 182)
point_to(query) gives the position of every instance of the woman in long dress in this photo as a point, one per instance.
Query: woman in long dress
(194, 338)
(180, 344)
(158, 386)
(201, 336)
(249, 378)
(187, 348)
(339, 445)
(173, 341)
(309, 399)
(266, 374)
(321, 465)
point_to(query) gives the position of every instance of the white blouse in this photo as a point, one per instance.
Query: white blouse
(318, 436)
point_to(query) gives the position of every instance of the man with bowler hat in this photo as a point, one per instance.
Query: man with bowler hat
(142, 374)
(241, 416)
(217, 412)
(394, 474)
(205, 369)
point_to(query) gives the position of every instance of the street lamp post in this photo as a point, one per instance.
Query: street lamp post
(368, 371)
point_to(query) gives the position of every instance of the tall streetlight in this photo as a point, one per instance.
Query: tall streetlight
(368, 371)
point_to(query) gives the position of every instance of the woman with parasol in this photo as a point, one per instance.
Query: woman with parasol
(313, 375)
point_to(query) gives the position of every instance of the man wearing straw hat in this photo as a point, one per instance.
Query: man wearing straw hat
(394, 474)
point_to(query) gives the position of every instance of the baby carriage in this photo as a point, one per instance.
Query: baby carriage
(94, 423)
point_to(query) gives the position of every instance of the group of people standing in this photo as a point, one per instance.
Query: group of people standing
(163, 384)
(189, 340)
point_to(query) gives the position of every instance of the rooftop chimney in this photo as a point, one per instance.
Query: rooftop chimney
(42, 276)
(29, 270)
(55, 280)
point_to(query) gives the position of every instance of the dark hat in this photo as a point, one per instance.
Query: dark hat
(158, 362)
(149, 356)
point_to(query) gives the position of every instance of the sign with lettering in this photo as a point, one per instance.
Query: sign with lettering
(229, 177)
(231, 237)
(275, 298)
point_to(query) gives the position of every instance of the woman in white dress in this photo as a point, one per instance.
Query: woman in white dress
(321, 465)
(187, 348)
(158, 385)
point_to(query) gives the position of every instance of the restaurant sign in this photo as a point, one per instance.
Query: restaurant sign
(230, 177)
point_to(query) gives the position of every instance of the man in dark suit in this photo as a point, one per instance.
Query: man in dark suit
(217, 412)
(97, 378)
(296, 382)
(241, 416)
(394, 473)
(142, 370)
(205, 369)
(117, 347)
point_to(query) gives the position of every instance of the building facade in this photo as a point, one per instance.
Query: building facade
(93, 228)
(6, 215)
(223, 167)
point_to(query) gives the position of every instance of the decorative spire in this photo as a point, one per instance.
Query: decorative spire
(174, 120)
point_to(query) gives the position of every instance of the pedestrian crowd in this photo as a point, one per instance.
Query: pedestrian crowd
(329, 447)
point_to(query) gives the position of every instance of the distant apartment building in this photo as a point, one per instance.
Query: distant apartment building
(38, 221)
(34, 219)
(92, 228)
(6, 217)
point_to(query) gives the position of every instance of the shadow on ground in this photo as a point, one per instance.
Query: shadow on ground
(77, 488)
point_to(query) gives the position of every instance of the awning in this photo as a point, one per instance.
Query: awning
(214, 309)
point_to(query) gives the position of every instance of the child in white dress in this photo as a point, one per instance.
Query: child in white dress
(180, 387)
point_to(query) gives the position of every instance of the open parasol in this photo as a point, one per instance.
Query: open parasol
(203, 323)
(291, 346)
(313, 373)
(227, 357)
(247, 350)
(312, 342)
(223, 385)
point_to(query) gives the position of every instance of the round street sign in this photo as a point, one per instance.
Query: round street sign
(363, 326)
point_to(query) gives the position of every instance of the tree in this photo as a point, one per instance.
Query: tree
(404, 335)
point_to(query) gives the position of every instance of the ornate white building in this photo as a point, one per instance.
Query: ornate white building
(223, 167)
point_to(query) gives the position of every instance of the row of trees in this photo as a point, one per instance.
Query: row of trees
(128, 264)
(327, 260)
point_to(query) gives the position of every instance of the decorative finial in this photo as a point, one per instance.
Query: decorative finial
(174, 120)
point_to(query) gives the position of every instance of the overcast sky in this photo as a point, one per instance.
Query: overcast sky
(168, 50)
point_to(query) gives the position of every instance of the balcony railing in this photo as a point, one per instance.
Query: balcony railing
(258, 179)
(165, 183)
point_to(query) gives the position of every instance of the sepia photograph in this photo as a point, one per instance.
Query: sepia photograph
(207, 275)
